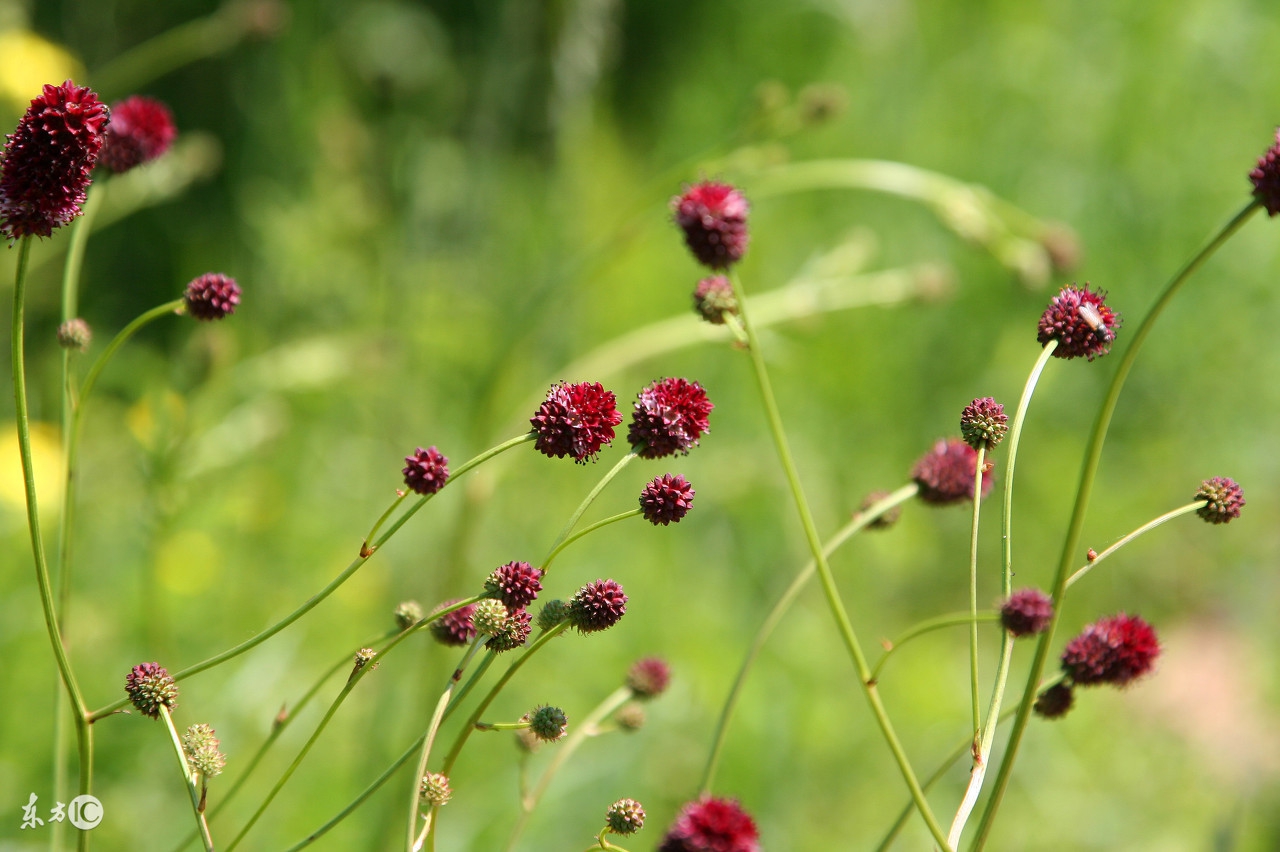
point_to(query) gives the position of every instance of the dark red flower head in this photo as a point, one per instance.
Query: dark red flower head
(1026, 612)
(1081, 323)
(516, 584)
(1112, 650)
(1266, 178)
(575, 420)
(983, 423)
(141, 129)
(945, 473)
(212, 296)
(1225, 497)
(1054, 702)
(712, 825)
(597, 606)
(514, 634)
(49, 159)
(669, 417)
(666, 500)
(649, 677)
(713, 298)
(455, 628)
(150, 687)
(714, 219)
(426, 471)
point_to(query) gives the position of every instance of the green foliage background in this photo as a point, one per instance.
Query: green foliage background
(435, 208)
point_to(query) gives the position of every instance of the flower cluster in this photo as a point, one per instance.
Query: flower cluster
(712, 825)
(150, 687)
(648, 678)
(1113, 650)
(454, 628)
(548, 723)
(141, 129)
(669, 417)
(597, 606)
(666, 499)
(513, 633)
(713, 299)
(575, 421)
(1080, 321)
(983, 423)
(713, 217)
(201, 748)
(1266, 178)
(1224, 500)
(1026, 612)
(516, 584)
(212, 296)
(434, 789)
(625, 816)
(426, 471)
(945, 474)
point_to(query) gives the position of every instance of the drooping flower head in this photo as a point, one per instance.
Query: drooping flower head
(1026, 613)
(141, 129)
(713, 217)
(713, 298)
(669, 417)
(516, 584)
(514, 633)
(983, 423)
(1266, 178)
(1225, 500)
(648, 677)
(1080, 321)
(712, 825)
(666, 499)
(625, 816)
(454, 628)
(48, 161)
(575, 420)
(426, 471)
(1054, 702)
(945, 474)
(150, 687)
(212, 296)
(597, 606)
(1113, 650)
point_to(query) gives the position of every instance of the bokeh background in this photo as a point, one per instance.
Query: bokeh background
(436, 209)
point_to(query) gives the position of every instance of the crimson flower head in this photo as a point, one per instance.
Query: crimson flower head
(648, 677)
(1225, 500)
(712, 825)
(212, 296)
(983, 423)
(1113, 650)
(49, 159)
(713, 217)
(597, 606)
(454, 628)
(141, 129)
(945, 473)
(1266, 178)
(150, 687)
(514, 633)
(1026, 612)
(516, 584)
(669, 417)
(426, 471)
(666, 499)
(575, 421)
(1080, 321)
(1054, 702)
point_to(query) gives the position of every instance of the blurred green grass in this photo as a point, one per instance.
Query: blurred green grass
(434, 208)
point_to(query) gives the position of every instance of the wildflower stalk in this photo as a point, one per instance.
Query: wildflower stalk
(941, 622)
(1145, 528)
(824, 572)
(857, 524)
(192, 788)
(985, 737)
(1089, 469)
(561, 539)
(978, 472)
(622, 516)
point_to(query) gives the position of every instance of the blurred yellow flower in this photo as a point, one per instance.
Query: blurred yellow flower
(46, 454)
(27, 62)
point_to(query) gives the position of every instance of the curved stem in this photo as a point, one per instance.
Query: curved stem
(622, 516)
(582, 507)
(1093, 455)
(193, 789)
(365, 549)
(1145, 528)
(941, 622)
(844, 626)
(978, 471)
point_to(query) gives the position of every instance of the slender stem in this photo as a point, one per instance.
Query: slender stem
(841, 617)
(1089, 469)
(978, 473)
(940, 622)
(587, 501)
(119, 340)
(622, 516)
(985, 737)
(192, 788)
(588, 727)
(172, 49)
(377, 525)
(1145, 528)
(858, 523)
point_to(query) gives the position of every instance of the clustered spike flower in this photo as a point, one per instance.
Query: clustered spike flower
(548, 723)
(945, 474)
(516, 584)
(150, 687)
(434, 789)
(514, 633)
(713, 298)
(1113, 650)
(212, 296)
(552, 614)
(1080, 321)
(649, 677)
(884, 520)
(1055, 701)
(575, 421)
(625, 816)
(141, 129)
(49, 159)
(713, 217)
(426, 471)
(983, 423)
(669, 417)
(455, 628)
(1225, 500)
(201, 748)
(1027, 612)
(666, 499)
(1266, 178)
(408, 613)
(489, 616)
(75, 334)
(712, 825)
(597, 606)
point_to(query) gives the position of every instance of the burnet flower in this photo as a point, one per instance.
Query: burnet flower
(712, 825)
(669, 417)
(713, 217)
(426, 471)
(1114, 650)
(1082, 323)
(945, 474)
(141, 130)
(1266, 178)
(212, 296)
(575, 420)
(1225, 500)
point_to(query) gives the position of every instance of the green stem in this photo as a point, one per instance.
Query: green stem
(1093, 455)
(858, 523)
(622, 516)
(365, 549)
(941, 622)
(172, 49)
(841, 617)
(1145, 528)
(978, 473)
(588, 727)
(556, 546)
(192, 788)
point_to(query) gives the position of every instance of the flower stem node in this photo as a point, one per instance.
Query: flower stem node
(625, 816)
(212, 296)
(1224, 499)
(201, 748)
(983, 423)
(150, 687)
(434, 789)
(597, 606)
(666, 499)
(713, 217)
(1080, 321)
(548, 723)
(575, 421)
(1027, 612)
(945, 474)
(426, 471)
